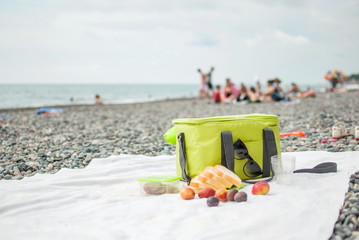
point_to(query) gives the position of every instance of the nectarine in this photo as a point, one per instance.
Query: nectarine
(260, 188)
(187, 193)
(206, 193)
(221, 194)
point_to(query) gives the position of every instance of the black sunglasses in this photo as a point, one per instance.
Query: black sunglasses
(251, 168)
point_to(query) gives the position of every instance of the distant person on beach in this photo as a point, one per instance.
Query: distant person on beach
(278, 94)
(309, 93)
(334, 83)
(209, 80)
(98, 100)
(267, 96)
(242, 93)
(230, 91)
(203, 92)
(254, 93)
(294, 90)
(217, 94)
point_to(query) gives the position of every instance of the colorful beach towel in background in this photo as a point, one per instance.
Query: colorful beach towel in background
(3, 117)
(103, 201)
(50, 111)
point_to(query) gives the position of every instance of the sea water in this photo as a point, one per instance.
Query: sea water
(43, 95)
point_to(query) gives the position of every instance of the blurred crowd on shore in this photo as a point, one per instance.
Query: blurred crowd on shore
(230, 93)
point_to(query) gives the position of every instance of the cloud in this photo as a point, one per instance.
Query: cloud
(251, 42)
(291, 39)
(267, 36)
(286, 3)
(207, 41)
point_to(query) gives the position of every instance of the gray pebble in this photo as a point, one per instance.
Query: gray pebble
(353, 199)
(8, 177)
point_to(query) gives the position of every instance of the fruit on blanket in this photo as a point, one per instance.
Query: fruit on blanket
(240, 197)
(187, 193)
(260, 188)
(154, 188)
(206, 193)
(212, 201)
(221, 194)
(172, 189)
(231, 193)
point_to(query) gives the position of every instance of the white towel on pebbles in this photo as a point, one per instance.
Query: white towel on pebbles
(103, 201)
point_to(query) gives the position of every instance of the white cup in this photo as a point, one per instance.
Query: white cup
(337, 132)
(357, 132)
(283, 167)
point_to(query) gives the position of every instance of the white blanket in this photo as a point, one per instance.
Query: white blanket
(103, 201)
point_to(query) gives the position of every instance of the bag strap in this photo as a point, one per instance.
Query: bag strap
(183, 157)
(227, 150)
(269, 150)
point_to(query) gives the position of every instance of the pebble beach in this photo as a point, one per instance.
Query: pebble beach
(32, 144)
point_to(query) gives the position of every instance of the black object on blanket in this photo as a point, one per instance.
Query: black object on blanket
(325, 167)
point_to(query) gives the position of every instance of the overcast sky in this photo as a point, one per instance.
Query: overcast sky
(161, 41)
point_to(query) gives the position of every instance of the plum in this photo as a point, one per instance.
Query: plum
(212, 201)
(240, 197)
(231, 193)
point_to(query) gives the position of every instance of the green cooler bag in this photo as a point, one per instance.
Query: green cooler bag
(242, 143)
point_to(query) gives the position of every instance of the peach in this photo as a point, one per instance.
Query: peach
(260, 188)
(221, 194)
(187, 193)
(206, 193)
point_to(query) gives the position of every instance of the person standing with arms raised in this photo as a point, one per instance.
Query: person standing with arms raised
(209, 81)
(203, 92)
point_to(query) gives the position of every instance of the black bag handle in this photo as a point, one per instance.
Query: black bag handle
(183, 157)
(227, 150)
(269, 150)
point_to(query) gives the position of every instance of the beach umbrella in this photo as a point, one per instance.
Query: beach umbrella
(339, 75)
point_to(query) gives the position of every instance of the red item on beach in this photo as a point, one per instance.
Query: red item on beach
(330, 140)
(217, 96)
(295, 133)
